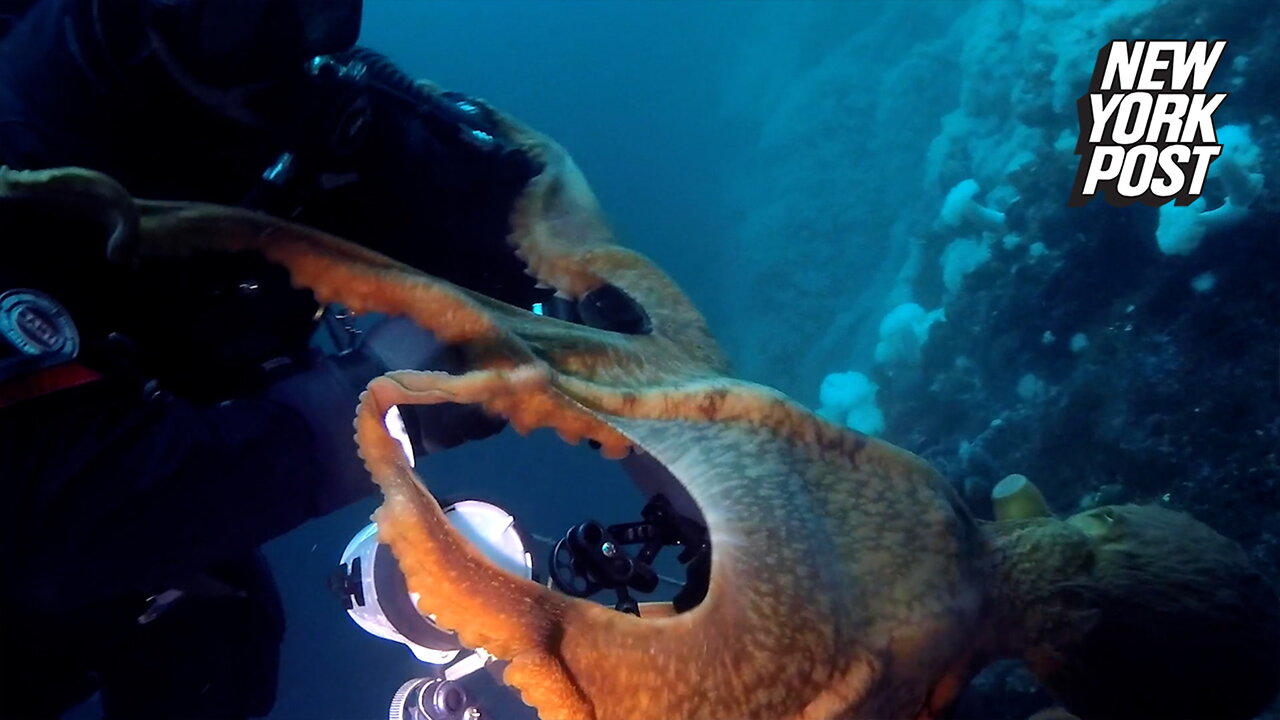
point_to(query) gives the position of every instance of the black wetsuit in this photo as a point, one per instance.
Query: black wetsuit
(122, 488)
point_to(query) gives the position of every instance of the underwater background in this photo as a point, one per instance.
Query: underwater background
(795, 166)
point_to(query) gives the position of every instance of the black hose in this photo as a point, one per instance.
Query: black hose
(449, 108)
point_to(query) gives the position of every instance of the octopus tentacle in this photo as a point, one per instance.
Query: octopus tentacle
(363, 280)
(760, 626)
(843, 571)
(333, 269)
(536, 406)
(83, 190)
(559, 229)
(512, 618)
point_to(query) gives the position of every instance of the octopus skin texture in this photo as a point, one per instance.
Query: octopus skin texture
(848, 580)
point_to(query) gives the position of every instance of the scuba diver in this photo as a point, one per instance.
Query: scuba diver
(159, 422)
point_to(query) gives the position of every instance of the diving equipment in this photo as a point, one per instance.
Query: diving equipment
(374, 593)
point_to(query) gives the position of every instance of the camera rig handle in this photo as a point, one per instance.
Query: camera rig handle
(591, 558)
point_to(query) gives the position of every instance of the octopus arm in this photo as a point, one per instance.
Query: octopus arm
(837, 559)
(773, 639)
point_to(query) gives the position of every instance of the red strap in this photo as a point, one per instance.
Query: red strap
(45, 381)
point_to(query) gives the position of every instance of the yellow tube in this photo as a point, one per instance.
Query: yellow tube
(1016, 498)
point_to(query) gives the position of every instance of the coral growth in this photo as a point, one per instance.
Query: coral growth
(1114, 354)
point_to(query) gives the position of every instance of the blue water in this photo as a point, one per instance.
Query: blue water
(612, 82)
(787, 162)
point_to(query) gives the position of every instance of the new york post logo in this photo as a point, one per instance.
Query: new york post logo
(1146, 124)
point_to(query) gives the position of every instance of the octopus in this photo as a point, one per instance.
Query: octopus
(848, 579)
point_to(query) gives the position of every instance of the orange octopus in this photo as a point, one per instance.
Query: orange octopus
(848, 580)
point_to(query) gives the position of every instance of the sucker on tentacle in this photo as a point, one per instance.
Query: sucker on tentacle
(847, 578)
(823, 542)
(589, 638)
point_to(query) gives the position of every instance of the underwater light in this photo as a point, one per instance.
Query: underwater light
(377, 599)
(374, 591)
(396, 429)
(432, 699)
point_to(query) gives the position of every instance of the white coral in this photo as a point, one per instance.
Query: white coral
(1181, 229)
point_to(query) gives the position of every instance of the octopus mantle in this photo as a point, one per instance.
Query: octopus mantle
(846, 578)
